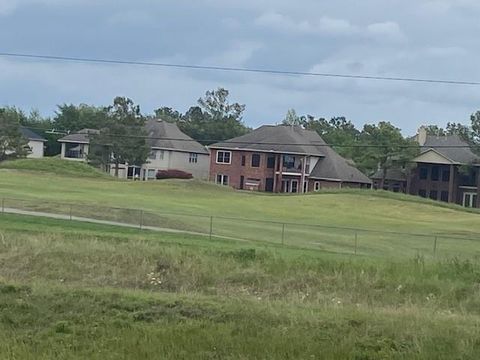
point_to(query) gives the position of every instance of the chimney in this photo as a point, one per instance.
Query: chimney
(422, 135)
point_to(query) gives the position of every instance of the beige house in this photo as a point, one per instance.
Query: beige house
(171, 149)
(35, 142)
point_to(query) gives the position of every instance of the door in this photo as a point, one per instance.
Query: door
(294, 188)
(269, 185)
(242, 182)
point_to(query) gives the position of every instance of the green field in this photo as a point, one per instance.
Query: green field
(78, 290)
(71, 290)
(324, 221)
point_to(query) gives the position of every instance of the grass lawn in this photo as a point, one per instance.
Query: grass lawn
(71, 290)
(188, 205)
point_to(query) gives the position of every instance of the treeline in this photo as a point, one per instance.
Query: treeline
(213, 118)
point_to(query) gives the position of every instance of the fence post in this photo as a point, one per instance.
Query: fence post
(141, 219)
(283, 234)
(435, 246)
(356, 242)
(211, 227)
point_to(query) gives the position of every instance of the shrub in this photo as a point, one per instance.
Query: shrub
(173, 174)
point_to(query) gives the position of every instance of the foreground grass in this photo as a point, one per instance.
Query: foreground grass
(73, 290)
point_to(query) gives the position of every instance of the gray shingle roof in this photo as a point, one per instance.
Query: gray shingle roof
(296, 140)
(392, 174)
(279, 139)
(81, 137)
(165, 135)
(459, 153)
(30, 135)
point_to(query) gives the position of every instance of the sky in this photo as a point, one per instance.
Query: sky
(409, 38)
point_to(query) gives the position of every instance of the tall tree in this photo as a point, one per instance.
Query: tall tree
(12, 143)
(123, 138)
(384, 148)
(291, 118)
(214, 119)
(72, 118)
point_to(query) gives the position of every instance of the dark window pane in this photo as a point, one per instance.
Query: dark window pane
(423, 173)
(243, 160)
(444, 196)
(433, 195)
(435, 173)
(271, 162)
(446, 175)
(255, 160)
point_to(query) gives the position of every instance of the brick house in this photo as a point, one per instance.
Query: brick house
(282, 159)
(446, 170)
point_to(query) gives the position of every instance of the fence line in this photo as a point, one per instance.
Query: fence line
(326, 237)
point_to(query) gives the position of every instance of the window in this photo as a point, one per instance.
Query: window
(433, 194)
(444, 196)
(243, 160)
(422, 193)
(294, 188)
(435, 173)
(151, 174)
(193, 158)
(224, 157)
(255, 160)
(423, 173)
(317, 186)
(288, 161)
(152, 155)
(470, 200)
(222, 179)
(271, 162)
(446, 175)
(161, 154)
(242, 182)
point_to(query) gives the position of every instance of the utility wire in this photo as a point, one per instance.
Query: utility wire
(229, 142)
(234, 69)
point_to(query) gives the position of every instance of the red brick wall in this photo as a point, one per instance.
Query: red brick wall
(235, 170)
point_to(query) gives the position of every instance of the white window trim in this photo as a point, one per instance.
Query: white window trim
(471, 197)
(223, 176)
(291, 186)
(193, 158)
(223, 151)
(316, 186)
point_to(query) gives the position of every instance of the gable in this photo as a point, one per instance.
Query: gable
(433, 157)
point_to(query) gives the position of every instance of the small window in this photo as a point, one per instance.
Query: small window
(317, 186)
(294, 188)
(271, 162)
(255, 160)
(288, 161)
(446, 175)
(434, 194)
(243, 160)
(422, 193)
(423, 173)
(162, 154)
(193, 158)
(435, 173)
(222, 179)
(224, 157)
(152, 155)
(151, 174)
(444, 196)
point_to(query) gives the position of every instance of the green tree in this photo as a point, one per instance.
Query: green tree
(291, 118)
(214, 119)
(74, 118)
(122, 139)
(384, 148)
(12, 143)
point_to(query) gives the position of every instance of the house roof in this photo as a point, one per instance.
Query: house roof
(81, 137)
(30, 135)
(452, 147)
(165, 135)
(279, 139)
(392, 174)
(288, 139)
(335, 167)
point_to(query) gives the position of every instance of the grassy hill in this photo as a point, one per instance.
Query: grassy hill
(71, 290)
(324, 221)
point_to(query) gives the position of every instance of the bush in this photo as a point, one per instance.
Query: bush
(173, 174)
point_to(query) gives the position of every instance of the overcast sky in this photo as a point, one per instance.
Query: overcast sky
(407, 38)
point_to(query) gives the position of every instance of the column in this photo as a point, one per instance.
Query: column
(451, 185)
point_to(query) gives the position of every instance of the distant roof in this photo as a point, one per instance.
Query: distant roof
(280, 139)
(81, 137)
(296, 140)
(30, 135)
(460, 152)
(165, 135)
(395, 174)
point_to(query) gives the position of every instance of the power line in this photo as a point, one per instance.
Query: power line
(236, 69)
(229, 142)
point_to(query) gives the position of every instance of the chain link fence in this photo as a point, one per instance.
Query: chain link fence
(333, 239)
